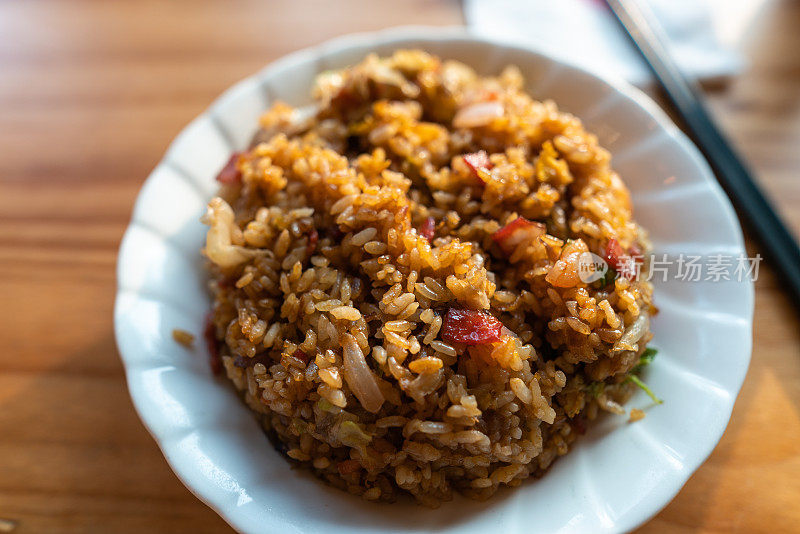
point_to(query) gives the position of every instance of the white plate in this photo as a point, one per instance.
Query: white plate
(619, 474)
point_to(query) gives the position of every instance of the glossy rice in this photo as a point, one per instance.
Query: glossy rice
(396, 286)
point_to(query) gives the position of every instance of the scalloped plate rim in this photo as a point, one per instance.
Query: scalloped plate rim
(643, 510)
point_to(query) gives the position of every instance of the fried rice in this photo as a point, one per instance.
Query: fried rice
(396, 280)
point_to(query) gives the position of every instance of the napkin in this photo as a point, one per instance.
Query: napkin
(585, 32)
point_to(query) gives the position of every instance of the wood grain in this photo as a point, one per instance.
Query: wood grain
(92, 92)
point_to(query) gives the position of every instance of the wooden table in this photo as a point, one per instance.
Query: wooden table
(91, 93)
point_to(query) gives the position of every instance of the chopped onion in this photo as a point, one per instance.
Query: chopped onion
(359, 377)
(424, 385)
(633, 334)
(219, 239)
(301, 119)
(478, 114)
(352, 435)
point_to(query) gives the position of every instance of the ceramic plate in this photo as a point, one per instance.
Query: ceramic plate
(618, 475)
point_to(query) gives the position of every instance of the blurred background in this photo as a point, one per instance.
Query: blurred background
(92, 93)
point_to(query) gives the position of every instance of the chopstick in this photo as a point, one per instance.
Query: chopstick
(779, 246)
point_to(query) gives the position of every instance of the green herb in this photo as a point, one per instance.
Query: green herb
(648, 355)
(610, 276)
(645, 359)
(635, 379)
(325, 405)
(595, 388)
(352, 435)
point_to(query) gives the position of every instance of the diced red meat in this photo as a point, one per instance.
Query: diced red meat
(622, 261)
(348, 467)
(428, 228)
(614, 253)
(478, 163)
(313, 238)
(579, 424)
(230, 175)
(470, 327)
(504, 234)
(300, 355)
(516, 232)
(210, 336)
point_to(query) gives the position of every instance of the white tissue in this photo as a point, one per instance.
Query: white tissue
(585, 32)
